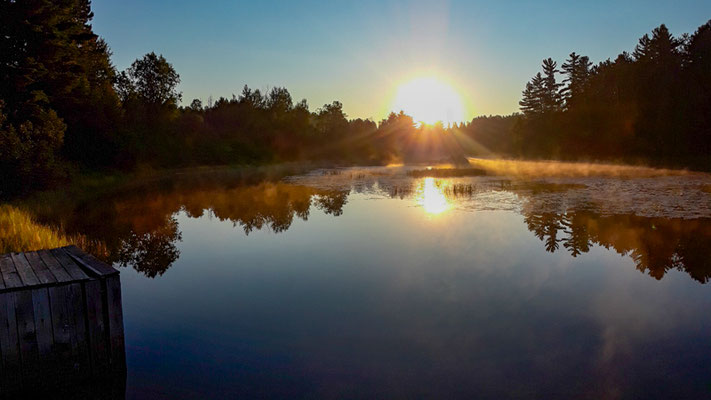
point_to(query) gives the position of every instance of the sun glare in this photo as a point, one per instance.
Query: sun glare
(431, 197)
(429, 100)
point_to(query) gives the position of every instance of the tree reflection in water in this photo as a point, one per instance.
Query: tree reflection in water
(265, 206)
(140, 228)
(151, 253)
(656, 245)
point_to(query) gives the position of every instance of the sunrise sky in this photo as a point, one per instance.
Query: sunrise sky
(361, 52)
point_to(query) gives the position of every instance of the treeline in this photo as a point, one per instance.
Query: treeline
(653, 105)
(64, 106)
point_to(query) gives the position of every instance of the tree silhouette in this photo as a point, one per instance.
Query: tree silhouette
(152, 80)
(577, 70)
(62, 103)
(551, 98)
(532, 102)
(330, 119)
(652, 104)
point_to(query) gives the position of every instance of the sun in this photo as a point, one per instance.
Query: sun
(428, 100)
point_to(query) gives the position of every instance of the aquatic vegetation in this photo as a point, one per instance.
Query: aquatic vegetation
(457, 190)
(446, 172)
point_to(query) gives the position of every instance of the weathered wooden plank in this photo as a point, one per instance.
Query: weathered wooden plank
(40, 269)
(68, 263)
(54, 266)
(24, 270)
(9, 344)
(97, 326)
(43, 322)
(115, 318)
(3, 259)
(70, 360)
(62, 320)
(29, 353)
(88, 261)
(80, 344)
(9, 273)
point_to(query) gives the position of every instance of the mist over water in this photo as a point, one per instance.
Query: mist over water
(541, 169)
(543, 186)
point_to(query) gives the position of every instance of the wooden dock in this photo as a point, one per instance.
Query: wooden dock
(61, 319)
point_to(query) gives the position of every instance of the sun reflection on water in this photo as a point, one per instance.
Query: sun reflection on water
(431, 197)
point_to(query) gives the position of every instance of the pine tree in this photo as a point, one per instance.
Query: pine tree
(658, 62)
(697, 74)
(552, 99)
(661, 47)
(532, 101)
(577, 71)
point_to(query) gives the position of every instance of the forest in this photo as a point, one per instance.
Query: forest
(65, 110)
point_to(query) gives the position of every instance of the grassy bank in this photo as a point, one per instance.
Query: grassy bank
(19, 231)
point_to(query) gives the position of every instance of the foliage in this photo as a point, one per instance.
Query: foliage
(152, 80)
(51, 62)
(650, 105)
(64, 107)
(28, 151)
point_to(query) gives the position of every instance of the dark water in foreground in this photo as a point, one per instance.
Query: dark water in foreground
(371, 284)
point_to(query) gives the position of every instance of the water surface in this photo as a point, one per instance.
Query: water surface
(371, 283)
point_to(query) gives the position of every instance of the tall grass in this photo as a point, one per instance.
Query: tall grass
(20, 232)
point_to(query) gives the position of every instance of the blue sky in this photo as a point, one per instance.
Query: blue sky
(358, 52)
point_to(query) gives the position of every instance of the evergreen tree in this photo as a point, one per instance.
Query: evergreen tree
(577, 71)
(658, 61)
(533, 96)
(551, 97)
(697, 86)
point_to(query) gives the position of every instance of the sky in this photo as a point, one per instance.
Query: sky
(360, 52)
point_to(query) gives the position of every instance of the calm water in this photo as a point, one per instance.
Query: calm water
(369, 283)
